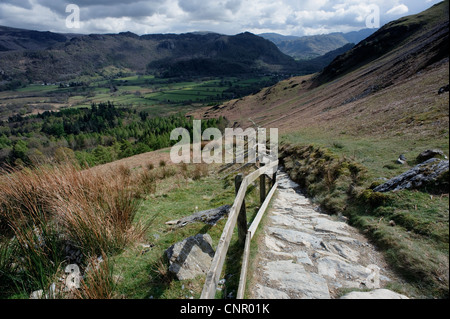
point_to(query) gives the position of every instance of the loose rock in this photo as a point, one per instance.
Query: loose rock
(191, 257)
(210, 217)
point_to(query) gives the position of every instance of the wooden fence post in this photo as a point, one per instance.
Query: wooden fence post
(242, 217)
(262, 186)
(274, 179)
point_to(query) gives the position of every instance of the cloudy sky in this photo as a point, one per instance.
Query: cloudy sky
(288, 17)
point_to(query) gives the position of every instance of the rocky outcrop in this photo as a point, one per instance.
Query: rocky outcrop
(426, 155)
(432, 173)
(191, 257)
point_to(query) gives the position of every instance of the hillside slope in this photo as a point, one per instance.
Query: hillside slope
(368, 91)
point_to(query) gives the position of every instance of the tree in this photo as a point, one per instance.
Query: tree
(20, 151)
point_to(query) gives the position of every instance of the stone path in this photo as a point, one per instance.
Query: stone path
(306, 254)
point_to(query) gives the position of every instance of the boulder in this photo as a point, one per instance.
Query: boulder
(426, 155)
(430, 173)
(191, 257)
(73, 277)
(401, 160)
(444, 89)
(375, 294)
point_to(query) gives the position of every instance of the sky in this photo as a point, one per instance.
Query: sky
(287, 17)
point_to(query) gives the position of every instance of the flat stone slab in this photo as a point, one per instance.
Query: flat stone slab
(291, 276)
(327, 225)
(296, 237)
(289, 221)
(263, 292)
(331, 267)
(345, 251)
(375, 294)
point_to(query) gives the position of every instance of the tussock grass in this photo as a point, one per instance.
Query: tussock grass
(99, 282)
(46, 207)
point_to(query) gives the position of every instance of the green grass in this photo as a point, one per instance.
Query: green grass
(378, 154)
(160, 94)
(144, 275)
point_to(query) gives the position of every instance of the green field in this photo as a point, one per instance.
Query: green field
(157, 96)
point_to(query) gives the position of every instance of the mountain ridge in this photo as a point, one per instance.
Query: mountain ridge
(309, 47)
(59, 57)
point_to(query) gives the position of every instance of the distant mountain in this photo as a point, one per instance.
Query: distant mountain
(319, 63)
(46, 56)
(278, 38)
(358, 36)
(421, 40)
(309, 47)
(13, 39)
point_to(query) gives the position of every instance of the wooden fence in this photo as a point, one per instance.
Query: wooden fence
(238, 215)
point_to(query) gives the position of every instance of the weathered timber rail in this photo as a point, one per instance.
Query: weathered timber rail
(238, 215)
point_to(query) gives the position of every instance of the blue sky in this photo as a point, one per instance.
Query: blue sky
(288, 17)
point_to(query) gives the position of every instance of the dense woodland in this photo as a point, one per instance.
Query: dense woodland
(100, 134)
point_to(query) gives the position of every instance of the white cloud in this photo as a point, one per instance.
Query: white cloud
(296, 17)
(398, 10)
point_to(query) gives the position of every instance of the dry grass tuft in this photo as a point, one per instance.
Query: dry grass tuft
(43, 208)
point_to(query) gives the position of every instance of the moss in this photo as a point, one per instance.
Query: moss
(375, 184)
(373, 199)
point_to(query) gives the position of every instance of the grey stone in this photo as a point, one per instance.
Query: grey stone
(296, 237)
(375, 294)
(426, 155)
(423, 174)
(273, 244)
(346, 252)
(210, 217)
(444, 89)
(38, 294)
(401, 160)
(286, 183)
(302, 257)
(73, 277)
(191, 257)
(288, 221)
(326, 225)
(293, 277)
(263, 292)
(332, 266)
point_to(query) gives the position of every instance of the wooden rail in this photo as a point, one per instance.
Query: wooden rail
(237, 215)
